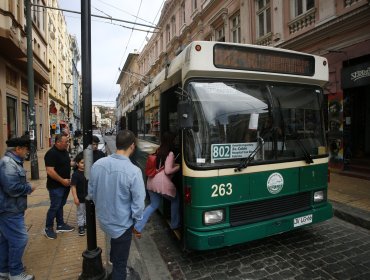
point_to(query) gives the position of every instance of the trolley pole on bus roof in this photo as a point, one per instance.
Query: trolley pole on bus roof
(92, 267)
(31, 95)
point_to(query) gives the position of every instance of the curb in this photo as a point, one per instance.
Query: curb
(351, 214)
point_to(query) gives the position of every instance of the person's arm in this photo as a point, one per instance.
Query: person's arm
(54, 175)
(138, 196)
(74, 194)
(11, 182)
(170, 167)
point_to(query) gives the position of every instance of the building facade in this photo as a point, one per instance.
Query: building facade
(336, 29)
(62, 58)
(14, 108)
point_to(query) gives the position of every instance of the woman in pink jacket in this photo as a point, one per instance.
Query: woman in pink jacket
(161, 185)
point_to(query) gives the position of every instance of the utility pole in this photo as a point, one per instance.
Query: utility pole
(31, 95)
(68, 85)
(92, 266)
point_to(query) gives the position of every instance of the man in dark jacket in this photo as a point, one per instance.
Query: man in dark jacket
(14, 189)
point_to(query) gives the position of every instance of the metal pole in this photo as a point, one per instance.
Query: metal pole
(68, 85)
(92, 267)
(31, 96)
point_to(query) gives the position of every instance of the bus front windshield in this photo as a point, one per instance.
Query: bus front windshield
(259, 121)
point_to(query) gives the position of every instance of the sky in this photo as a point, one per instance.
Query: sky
(111, 43)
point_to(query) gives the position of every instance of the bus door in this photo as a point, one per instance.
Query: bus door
(169, 122)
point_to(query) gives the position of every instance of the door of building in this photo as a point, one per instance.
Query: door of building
(357, 123)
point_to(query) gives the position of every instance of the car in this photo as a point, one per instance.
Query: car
(101, 145)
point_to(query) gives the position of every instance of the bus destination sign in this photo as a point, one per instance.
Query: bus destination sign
(232, 150)
(263, 60)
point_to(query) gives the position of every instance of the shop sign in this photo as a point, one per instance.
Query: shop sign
(356, 76)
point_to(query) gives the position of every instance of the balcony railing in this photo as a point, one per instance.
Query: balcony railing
(302, 21)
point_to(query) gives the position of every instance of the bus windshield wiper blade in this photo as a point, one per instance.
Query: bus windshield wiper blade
(306, 154)
(245, 162)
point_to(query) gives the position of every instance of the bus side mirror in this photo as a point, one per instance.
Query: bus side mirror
(185, 114)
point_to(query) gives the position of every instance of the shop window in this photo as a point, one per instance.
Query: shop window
(263, 17)
(11, 113)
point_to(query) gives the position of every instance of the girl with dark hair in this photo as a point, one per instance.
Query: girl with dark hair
(161, 185)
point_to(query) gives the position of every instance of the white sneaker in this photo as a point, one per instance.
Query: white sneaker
(4, 275)
(22, 276)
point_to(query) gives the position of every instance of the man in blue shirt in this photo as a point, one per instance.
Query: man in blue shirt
(14, 189)
(117, 188)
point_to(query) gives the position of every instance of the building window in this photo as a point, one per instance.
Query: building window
(235, 29)
(263, 17)
(302, 6)
(168, 34)
(173, 25)
(11, 77)
(220, 34)
(24, 118)
(11, 114)
(182, 13)
(194, 5)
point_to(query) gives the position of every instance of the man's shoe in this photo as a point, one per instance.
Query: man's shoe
(50, 233)
(81, 231)
(65, 228)
(4, 275)
(22, 276)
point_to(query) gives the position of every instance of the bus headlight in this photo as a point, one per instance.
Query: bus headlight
(213, 217)
(318, 196)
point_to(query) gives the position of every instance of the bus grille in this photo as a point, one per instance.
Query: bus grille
(257, 211)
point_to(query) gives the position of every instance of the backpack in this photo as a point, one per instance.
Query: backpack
(151, 166)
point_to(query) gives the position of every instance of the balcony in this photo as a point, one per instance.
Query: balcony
(302, 21)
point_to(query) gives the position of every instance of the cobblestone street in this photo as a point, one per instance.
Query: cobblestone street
(332, 250)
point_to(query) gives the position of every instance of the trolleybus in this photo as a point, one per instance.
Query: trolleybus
(251, 137)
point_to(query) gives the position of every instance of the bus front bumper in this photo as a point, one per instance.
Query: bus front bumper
(205, 240)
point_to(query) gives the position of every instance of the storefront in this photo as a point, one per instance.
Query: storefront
(349, 116)
(356, 111)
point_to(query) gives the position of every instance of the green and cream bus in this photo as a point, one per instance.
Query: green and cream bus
(251, 138)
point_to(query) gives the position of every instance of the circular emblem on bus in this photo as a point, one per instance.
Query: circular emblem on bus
(275, 183)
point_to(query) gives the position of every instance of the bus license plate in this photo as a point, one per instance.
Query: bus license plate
(304, 220)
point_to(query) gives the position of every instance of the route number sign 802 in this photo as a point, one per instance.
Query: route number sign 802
(221, 151)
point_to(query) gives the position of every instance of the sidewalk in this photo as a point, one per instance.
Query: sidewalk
(61, 258)
(53, 259)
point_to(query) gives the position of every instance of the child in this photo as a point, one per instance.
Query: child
(78, 185)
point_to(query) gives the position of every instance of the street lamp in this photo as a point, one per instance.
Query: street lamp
(68, 85)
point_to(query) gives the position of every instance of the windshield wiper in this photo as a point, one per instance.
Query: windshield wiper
(245, 162)
(306, 154)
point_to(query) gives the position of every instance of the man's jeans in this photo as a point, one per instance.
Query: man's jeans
(155, 200)
(13, 241)
(58, 198)
(119, 251)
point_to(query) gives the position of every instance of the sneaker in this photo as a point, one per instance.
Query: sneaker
(81, 231)
(4, 275)
(50, 233)
(65, 228)
(22, 276)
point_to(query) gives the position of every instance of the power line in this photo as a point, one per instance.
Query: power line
(93, 15)
(124, 11)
